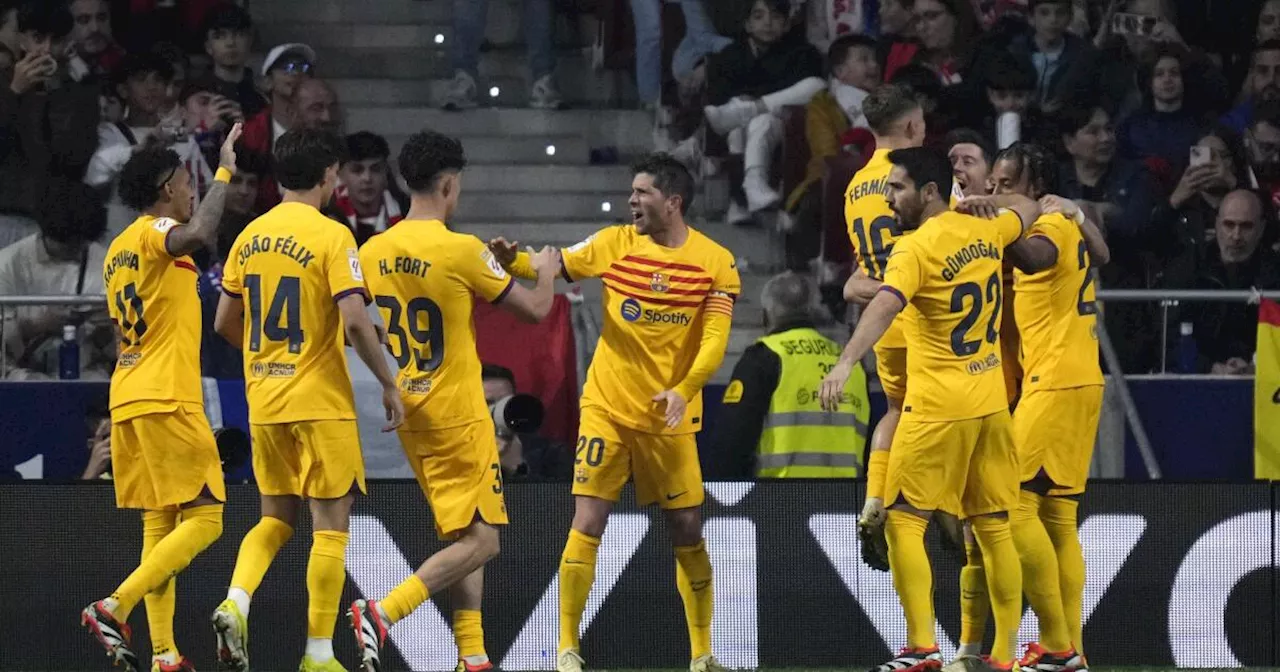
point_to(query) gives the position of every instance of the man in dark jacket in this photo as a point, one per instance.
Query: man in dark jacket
(1051, 50)
(48, 120)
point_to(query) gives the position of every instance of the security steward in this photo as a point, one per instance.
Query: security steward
(771, 424)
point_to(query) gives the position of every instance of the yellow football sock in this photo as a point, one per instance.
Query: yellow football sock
(156, 525)
(326, 574)
(975, 605)
(406, 597)
(912, 576)
(877, 468)
(200, 526)
(577, 573)
(257, 551)
(1059, 516)
(468, 632)
(1040, 572)
(693, 579)
(1004, 582)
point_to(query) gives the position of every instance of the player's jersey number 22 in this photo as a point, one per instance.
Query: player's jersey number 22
(407, 335)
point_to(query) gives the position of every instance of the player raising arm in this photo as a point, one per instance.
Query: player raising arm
(424, 278)
(163, 455)
(298, 275)
(954, 450)
(668, 295)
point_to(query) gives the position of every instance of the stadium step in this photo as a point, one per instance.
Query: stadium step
(563, 179)
(285, 12)
(624, 129)
(488, 149)
(375, 77)
(534, 206)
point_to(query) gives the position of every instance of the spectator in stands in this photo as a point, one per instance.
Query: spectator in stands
(1184, 225)
(48, 118)
(1168, 122)
(1226, 333)
(63, 259)
(971, 154)
(1052, 50)
(1262, 148)
(180, 65)
(218, 358)
(469, 18)
(1268, 22)
(98, 422)
(285, 67)
(242, 191)
(1261, 86)
(9, 31)
(829, 115)
(207, 116)
(228, 37)
(897, 26)
(749, 82)
(92, 37)
(368, 199)
(700, 39)
(939, 118)
(525, 458)
(315, 106)
(142, 81)
(1008, 82)
(948, 31)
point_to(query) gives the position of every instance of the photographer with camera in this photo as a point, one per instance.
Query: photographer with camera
(525, 457)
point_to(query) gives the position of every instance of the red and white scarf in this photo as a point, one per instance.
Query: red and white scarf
(387, 216)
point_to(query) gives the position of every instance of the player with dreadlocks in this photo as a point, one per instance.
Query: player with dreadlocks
(1056, 418)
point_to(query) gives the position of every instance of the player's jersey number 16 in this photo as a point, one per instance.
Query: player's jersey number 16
(408, 337)
(874, 250)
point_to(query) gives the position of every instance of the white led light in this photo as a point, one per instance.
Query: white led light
(551, 150)
(493, 92)
(606, 206)
(439, 38)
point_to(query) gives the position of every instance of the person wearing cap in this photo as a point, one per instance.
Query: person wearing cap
(284, 67)
(228, 37)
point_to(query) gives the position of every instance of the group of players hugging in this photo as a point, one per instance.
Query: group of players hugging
(295, 290)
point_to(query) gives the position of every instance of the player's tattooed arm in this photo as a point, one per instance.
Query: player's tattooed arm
(860, 288)
(202, 231)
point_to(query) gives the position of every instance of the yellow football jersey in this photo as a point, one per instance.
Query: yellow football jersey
(873, 229)
(654, 301)
(291, 266)
(1056, 313)
(950, 272)
(423, 278)
(152, 299)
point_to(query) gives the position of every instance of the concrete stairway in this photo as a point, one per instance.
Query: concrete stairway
(530, 177)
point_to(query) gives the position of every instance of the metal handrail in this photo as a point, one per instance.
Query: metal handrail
(1230, 295)
(54, 300)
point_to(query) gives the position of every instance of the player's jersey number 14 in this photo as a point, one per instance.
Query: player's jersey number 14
(283, 321)
(408, 337)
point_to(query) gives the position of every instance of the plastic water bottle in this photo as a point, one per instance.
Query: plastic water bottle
(1187, 355)
(69, 354)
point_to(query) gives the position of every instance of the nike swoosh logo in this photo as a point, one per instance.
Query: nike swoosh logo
(677, 495)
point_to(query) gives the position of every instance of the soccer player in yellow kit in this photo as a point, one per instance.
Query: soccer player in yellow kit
(668, 295)
(953, 449)
(163, 456)
(897, 121)
(424, 278)
(298, 274)
(1056, 421)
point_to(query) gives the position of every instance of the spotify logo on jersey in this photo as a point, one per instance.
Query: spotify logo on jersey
(631, 310)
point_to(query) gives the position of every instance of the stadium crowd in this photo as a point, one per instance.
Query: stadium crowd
(1165, 114)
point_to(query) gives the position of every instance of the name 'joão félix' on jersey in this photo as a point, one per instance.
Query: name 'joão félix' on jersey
(286, 246)
(960, 258)
(632, 311)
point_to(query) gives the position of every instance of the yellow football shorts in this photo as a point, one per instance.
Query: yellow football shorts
(165, 458)
(891, 368)
(665, 467)
(966, 467)
(1055, 430)
(319, 459)
(459, 472)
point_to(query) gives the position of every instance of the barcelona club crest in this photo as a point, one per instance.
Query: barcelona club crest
(659, 283)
